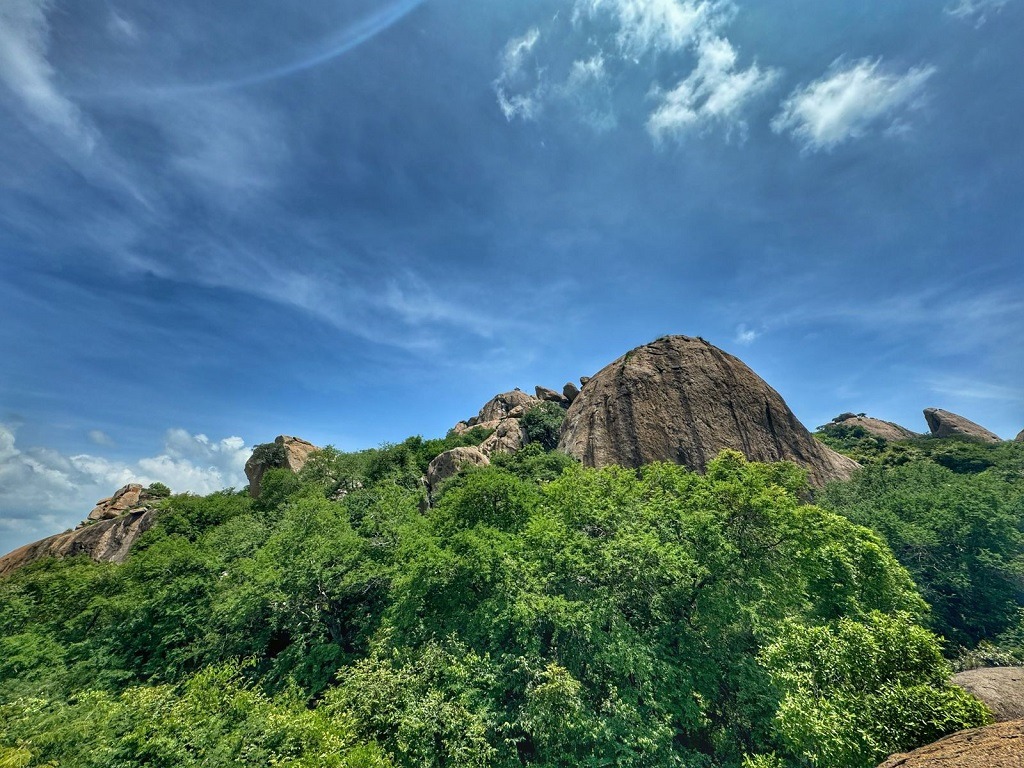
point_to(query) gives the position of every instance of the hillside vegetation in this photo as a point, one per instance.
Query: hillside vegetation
(539, 613)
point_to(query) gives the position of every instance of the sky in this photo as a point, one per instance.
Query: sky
(357, 221)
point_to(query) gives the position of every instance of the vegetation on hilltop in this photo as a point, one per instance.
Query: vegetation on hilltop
(539, 614)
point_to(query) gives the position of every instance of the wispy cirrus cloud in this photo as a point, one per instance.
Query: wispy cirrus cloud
(850, 101)
(977, 11)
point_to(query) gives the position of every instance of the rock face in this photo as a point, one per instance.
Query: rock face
(994, 746)
(945, 424)
(1019, 438)
(450, 462)
(1000, 688)
(886, 430)
(501, 406)
(508, 437)
(294, 454)
(683, 400)
(105, 541)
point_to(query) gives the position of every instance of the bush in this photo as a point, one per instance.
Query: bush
(543, 424)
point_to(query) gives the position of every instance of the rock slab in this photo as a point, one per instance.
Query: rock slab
(994, 746)
(1001, 689)
(683, 400)
(945, 424)
(107, 541)
(886, 430)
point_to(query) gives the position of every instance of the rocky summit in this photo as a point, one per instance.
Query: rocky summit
(285, 452)
(945, 424)
(683, 400)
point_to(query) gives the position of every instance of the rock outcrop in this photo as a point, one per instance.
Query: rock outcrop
(886, 430)
(292, 454)
(508, 437)
(1000, 688)
(501, 406)
(994, 746)
(549, 395)
(104, 541)
(447, 464)
(945, 424)
(126, 498)
(683, 400)
(1019, 438)
(570, 392)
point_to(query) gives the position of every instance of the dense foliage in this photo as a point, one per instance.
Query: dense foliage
(539, 614)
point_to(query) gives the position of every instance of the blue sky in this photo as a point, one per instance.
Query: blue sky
(357, 221)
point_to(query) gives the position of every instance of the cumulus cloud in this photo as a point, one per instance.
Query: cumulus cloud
(28, 74)
(850, 101)
(43, 491)
(653, 25)
(977, 11)
(714, 94)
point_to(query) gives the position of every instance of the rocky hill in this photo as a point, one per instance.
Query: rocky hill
(683, 400)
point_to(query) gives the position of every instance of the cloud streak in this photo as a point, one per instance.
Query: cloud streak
(850, 101)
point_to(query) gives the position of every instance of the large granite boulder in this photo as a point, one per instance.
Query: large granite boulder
(508, 437)
(449, 463)
(680, 399)
(501, 406)
(945, 424)
(994, 746)
(1019, 438)
(285, 452)
(124, 499)
(104, 541)
(1000, 688)
(886, 430)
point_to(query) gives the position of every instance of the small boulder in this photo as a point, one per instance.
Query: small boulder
(508, 437)
(450, 462)
(945, 424)
(1001, 689)
(549, 395)
(583, 381)
(570, 392)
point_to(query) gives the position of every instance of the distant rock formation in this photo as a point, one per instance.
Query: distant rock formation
(549, 395)
(292, 454)
(570, 392)
(449, 463)
(1000, 688)
(945, 424)
(107, 541)
(886, 430)
(994, 746)
(680, 399)
(124, 499)
(1019, 438)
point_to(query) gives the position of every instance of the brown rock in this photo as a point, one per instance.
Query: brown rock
(450, 462)
(508, 437)
(124, 498)
(683, 400)
(886, 430)
(500, 406)
(570, 392)
(461, 428)
(1019, 438)
(1000, 688)
(106, 541)
(543, 393)
(994, 746)
(945, 424)
(296, 453)
(583, 381)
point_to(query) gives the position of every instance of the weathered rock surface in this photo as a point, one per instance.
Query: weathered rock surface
(570, 391)
(549, 395)
(296, 453)
(125, 498)
(450, 462)
(1019, 438)
(994, 746)
(104, 541)
(508, 437)
(1000, 688)
(683, 400)
(945, 424)
(886, 430)
(500, 406)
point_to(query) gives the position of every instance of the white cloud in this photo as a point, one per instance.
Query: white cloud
(745, 335)
(977, 11)
(646, 26)
(28, 74)
(518, 86)
(100, 437)
(43, 491)
(849, 102)
(714, 94)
